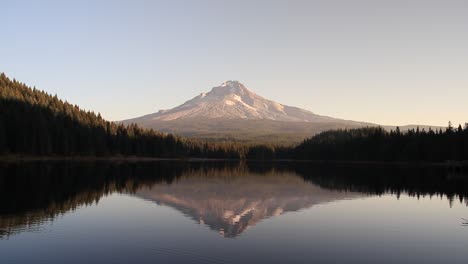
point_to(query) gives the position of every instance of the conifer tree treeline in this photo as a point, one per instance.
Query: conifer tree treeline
(377, 144)
(33, 122)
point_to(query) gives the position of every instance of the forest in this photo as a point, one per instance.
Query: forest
(35, 123)
(377, 144)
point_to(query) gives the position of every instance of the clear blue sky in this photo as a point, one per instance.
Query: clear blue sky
(388, 62)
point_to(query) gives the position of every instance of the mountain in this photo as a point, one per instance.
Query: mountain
(232, 111)
(232, 100)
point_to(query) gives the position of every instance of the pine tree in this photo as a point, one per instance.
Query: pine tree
(3, 140)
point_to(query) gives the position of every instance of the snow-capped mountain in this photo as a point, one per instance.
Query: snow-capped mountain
(234, 101)
(232, 111)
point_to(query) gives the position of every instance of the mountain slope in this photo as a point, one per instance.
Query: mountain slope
(231, 111)
(232, 100)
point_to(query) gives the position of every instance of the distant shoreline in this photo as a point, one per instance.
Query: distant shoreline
(103, 158)
(22, 158)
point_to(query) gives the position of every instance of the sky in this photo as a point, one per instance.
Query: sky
(387, 62)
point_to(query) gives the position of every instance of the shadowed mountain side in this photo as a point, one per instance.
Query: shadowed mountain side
(263, 130)
(230, 202)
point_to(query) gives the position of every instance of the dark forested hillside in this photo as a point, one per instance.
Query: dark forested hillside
(33, 122)
(378, 144)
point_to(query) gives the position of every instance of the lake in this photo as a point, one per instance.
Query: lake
(230, 212)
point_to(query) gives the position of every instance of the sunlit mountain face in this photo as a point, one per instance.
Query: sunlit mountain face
(232, 100)
(230, 202)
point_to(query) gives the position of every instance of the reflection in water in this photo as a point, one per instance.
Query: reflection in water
(227, 197)
(230, 201)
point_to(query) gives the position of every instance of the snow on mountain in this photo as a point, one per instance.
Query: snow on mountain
(232, 100)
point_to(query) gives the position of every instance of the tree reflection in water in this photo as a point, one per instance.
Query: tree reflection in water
(226, 196)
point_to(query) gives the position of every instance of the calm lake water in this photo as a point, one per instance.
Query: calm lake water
(199, 212)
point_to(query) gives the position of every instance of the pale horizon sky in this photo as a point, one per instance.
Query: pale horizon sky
(387, 62)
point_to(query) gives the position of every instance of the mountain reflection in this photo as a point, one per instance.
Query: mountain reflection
(227, 197)
(230, 201)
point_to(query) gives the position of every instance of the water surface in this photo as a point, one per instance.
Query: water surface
(199, 212)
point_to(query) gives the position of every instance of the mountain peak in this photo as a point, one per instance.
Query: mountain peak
(231, 83)
(231, 87)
